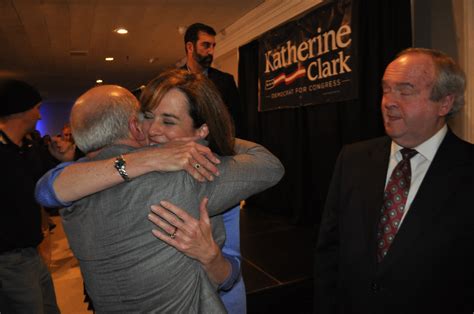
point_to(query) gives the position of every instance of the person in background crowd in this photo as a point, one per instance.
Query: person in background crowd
(66, 133)
(398, 226)
(46, 140)
(199, 44)
(25, 282)
(63, 145)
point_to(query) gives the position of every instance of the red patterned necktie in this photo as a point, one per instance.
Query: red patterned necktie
(394, 200)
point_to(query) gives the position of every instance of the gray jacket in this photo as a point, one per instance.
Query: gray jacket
(126, 268)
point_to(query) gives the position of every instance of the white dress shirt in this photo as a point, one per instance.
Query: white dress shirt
(420, 163)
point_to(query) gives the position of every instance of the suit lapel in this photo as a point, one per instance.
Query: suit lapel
(373, 189)
(429, 200)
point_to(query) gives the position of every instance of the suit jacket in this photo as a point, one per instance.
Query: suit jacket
(430, 265)
(230, 95)
(125, 268)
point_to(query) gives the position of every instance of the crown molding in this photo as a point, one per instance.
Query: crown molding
(266, 16)
(469, 69)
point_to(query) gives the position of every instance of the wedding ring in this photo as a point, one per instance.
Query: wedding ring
(197, 166)
(173, 235)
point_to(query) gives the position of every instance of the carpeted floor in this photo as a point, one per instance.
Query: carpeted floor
(65, 272)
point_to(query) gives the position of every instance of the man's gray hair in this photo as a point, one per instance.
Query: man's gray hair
(101, 121)
(450, 78)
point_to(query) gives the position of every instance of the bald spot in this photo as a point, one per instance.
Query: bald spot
(414, 67)
(97, 97)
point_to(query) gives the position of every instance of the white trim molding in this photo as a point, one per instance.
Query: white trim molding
(266, 16)
(463, 11)
(468, 65)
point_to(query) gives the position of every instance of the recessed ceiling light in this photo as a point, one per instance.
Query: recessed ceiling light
(109, 59)
(121, 31)
(182, 29)
(99, 81)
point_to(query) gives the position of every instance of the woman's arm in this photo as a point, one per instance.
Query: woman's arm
(194, 238)
(231, 248)
(81, 179)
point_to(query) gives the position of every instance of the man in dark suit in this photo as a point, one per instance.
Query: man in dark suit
(418, 257)
(200, 41)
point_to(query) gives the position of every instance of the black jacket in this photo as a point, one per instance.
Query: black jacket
(230, 95)
(430, 265)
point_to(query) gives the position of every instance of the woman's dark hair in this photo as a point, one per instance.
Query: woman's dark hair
(204, 102)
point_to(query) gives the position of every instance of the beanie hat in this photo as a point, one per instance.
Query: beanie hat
(17, 96)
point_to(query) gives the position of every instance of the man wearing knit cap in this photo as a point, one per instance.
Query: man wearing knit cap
(25, 282)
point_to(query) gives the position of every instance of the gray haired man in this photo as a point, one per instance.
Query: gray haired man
(125, 267)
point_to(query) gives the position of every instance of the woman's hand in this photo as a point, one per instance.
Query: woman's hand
(187, 234)
(191, 236)
(179, 154)
(194, 158)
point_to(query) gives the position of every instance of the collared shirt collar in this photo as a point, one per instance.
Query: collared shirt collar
(204, 72)
(427, 149)
(7, 142)
(4, 138)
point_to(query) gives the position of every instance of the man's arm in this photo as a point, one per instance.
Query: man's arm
(252, 170)
(44, 191)
(78, 180)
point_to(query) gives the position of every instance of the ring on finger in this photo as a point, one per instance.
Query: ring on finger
(173, 235)
(197, 165)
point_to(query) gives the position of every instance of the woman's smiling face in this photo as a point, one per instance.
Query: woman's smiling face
(170, 119)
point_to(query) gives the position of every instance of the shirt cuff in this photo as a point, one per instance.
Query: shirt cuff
(234, 274)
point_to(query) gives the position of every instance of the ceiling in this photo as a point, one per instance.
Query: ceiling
(60, 45)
